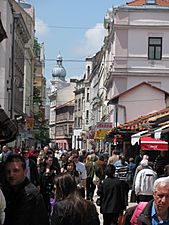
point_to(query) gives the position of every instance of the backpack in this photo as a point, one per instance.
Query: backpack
(139, 208)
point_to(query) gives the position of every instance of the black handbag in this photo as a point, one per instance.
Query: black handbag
(133, 197)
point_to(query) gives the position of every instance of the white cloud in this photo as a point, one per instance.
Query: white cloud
(92, 41)
(41, 27)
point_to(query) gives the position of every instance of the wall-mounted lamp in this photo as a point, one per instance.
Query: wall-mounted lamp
(18, 82)
(19, 87)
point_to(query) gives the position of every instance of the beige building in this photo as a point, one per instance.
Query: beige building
(78, 140)
(61, 96)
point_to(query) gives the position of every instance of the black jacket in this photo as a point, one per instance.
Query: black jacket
(113, 195)
(24, 205)
(144, 217)
(34, 176)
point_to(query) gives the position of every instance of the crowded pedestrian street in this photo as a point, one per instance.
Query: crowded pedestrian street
(54, 186)
(84, 112)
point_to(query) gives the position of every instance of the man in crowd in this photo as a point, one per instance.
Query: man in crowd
(144, 182)
(81, 169)
(139, 157)
(31, 167)
(113, 194)
(5, 153)
(155, 211)
(160, 162)
(24, 203)
(112, 159)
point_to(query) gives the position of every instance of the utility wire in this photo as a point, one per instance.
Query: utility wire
(72, 27)
(65, 60)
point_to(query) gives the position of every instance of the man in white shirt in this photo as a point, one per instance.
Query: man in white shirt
(144, 182)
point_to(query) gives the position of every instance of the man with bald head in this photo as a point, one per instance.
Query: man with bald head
(5, 153)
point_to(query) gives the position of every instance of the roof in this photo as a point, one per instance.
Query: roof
(136, 86)
(143, 2)
(69, 103)
(142, 122)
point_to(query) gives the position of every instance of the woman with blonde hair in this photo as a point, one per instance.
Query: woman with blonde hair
(70, 208)
(90, 186)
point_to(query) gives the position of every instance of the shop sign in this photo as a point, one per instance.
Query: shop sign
(101, 134)
(29, 122)
(104, 126)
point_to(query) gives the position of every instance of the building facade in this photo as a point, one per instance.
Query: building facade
(135, 50)
(77, 139)
(61, 96)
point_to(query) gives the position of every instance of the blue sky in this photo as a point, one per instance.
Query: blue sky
(73, 28)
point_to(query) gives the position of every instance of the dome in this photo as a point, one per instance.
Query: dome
(58, 70)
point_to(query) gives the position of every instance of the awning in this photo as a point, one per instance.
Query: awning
(135, 138)
(163, 129)
(149, 143)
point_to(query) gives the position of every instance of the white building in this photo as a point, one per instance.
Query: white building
(135, 50)
(138, 40)
(61, 97)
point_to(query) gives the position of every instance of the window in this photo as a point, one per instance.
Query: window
(79, 122)
(151, 2)
(75, 122)
(79, 105)
(75, 105)
(87, 98)
(88, 71)
(87, 116)
(155, 48)
(70, 130)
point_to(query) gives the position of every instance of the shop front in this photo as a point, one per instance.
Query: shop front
(148, 143)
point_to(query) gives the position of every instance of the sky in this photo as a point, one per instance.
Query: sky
(72, 28)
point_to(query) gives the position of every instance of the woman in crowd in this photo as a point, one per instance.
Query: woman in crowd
(70, 167)
(90, 187)
(70, 208)
(47, 181)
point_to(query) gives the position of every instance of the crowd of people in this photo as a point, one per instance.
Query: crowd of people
(43, 186)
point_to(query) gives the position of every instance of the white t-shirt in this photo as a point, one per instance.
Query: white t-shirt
(80, 167)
